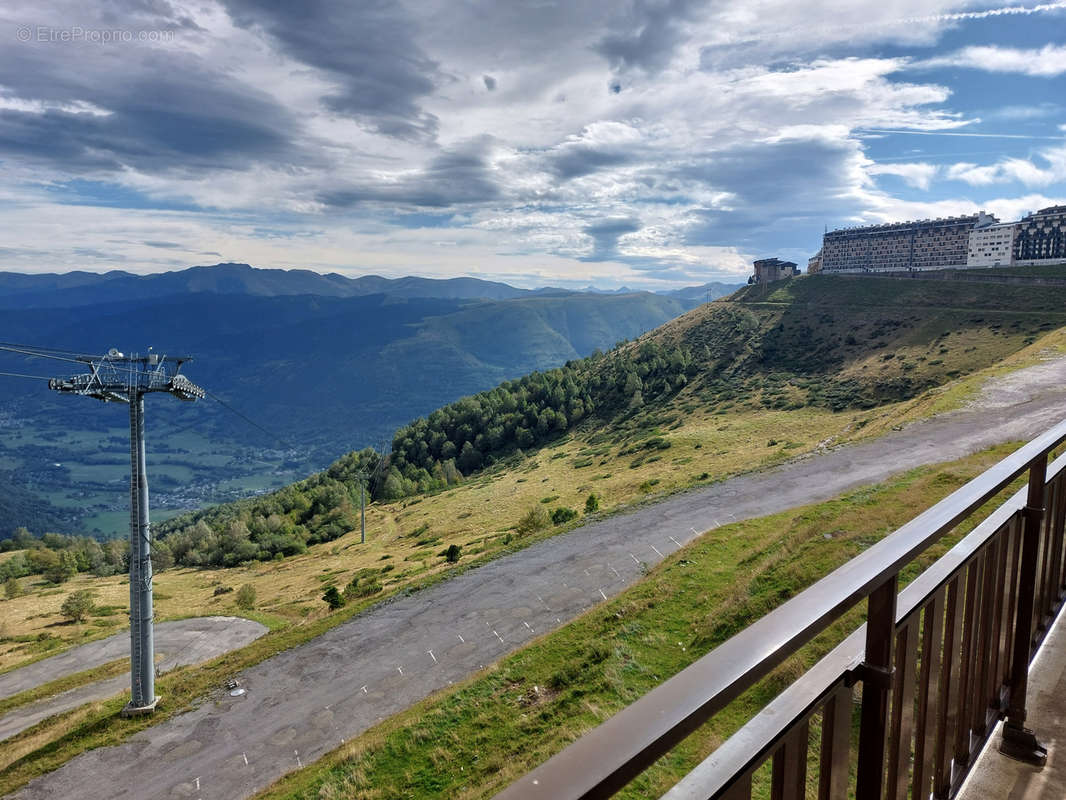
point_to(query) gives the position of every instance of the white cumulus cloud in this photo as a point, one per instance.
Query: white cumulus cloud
(1047, 62)
(916, 174)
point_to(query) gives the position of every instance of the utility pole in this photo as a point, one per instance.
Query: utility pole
(119, 378)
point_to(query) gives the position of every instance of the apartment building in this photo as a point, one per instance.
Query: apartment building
(1040, 238)
(918, 244)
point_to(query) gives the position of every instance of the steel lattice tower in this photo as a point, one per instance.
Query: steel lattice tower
(127, 379)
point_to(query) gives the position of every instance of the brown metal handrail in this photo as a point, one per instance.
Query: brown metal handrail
(969, 605)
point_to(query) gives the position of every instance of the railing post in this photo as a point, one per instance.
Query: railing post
(1018, 741)
(876, 674)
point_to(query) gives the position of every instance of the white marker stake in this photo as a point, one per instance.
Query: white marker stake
(656, 549)
(615, 572)
(432, 656)
(498, 636)
(635, 559)
(197, 783)
(602, 594)
(400, 670)
(461, 639)
(675, 541)
(364, 689)
(245, 759)
(299, 763)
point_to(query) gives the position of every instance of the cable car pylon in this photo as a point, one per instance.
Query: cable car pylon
(121, 378)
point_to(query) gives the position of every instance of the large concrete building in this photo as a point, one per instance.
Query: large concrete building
(1040, 238)
(978, 240)
(918, 244)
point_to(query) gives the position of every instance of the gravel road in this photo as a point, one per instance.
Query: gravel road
(306, 701)
(187, 641)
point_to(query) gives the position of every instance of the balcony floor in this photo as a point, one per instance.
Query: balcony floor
(996, 776)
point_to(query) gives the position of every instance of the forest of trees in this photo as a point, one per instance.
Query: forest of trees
(282, 523)
(58, 558)
(474, 432)
(430, 454)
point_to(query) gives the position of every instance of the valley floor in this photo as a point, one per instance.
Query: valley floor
(308, 700)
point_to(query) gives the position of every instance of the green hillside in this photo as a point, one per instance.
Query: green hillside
(821, 345)
(828, 342)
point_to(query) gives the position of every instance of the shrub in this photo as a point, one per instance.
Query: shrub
(453, 553)
(246, 597)
(12, 588)
(221, 590)
(592, 504)
(77, 605)
(362, 585)
(562, 515)
(533, 520)
(333, 598)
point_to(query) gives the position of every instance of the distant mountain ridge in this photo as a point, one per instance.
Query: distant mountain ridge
(76, 289)
(85, 288)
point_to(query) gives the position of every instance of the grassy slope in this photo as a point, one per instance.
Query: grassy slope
(710, 438)
(471, 741)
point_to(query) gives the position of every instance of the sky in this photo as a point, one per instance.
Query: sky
(652, 144)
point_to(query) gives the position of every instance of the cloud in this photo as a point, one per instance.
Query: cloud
(598, 146)
(109, 107)
(1015, 113)
(367, 49)
(915, 174)
(1021, 170)
(646, 35)
(605, 236)
(766, 27)
(1047, 62)
(459, 175)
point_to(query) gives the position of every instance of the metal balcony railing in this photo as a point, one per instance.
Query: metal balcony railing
(939, 663)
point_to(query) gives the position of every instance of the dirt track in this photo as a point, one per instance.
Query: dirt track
(304, 702)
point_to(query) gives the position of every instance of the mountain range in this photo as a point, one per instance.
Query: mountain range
(321, 364)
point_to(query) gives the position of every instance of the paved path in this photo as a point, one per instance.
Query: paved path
(187, 641)
(307, 701)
